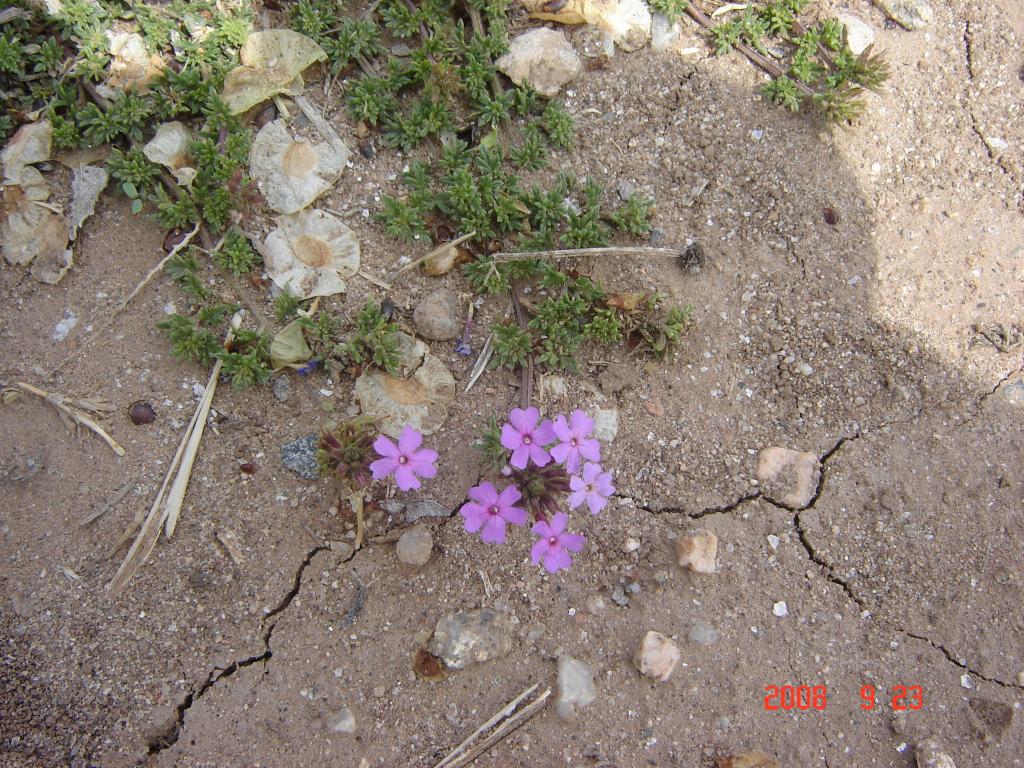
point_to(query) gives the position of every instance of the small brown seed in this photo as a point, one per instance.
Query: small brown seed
(140, 412)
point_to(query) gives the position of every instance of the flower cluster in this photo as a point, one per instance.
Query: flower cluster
(548, 460)
(550, 463)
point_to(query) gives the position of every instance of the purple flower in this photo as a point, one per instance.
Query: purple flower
(575, 441)
(307, 368)
(555, 544)
(526, 438)
(595, 487)
(489, 511)
(406, 460)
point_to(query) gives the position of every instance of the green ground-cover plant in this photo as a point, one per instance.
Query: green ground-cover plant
(818, 67)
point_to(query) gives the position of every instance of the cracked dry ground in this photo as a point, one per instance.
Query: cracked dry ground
(905, 569)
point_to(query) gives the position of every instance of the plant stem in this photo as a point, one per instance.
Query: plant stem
(568, 253)
(525, 371)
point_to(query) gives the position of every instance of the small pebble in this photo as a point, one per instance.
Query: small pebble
(282, 388)
(300, 457)
(656, 657)
(703, 634)
(342, 721)
(697, 551)
(780, 609)
(415, 546)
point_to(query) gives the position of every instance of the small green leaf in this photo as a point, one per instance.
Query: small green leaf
(289, 347)
(129, 189)
(136, 205)
(490, 140)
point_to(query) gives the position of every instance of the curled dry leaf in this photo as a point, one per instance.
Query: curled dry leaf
(289, 348)
(31, 144)
(272, 63)
(292, 173)
(170, 148)
(132, 67)
(420, 401)
(428, 667)
(87, 183)
(311, 253)
(30, 230)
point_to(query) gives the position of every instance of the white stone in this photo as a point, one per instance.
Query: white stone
(697, 551)
(542, 57)
(780, 609)
(342, 721)
(910, 14)
(656, 657)
(858, 34)
(663, 33)
(606, 424)
(788, 477)
(575, 686)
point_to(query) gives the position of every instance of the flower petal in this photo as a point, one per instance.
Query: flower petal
(494, 530)
(558, 523)
(405, 479)
(539, 455)
(409, 440)
(539, 549)
(582, 425)
(542, 529)
(485, 493)
(572, 541)
(384, 447)
(510, 438)
(523, 420)
(514, 515)
(509, 496)
(544, 434)
(428, 455)
(422, 468)
(474, 516)
(590, 448)
(556, 559)
(596, 502)
(561, 452)
(561, 427)
(521, 455)
(381, 468)
(576, 498)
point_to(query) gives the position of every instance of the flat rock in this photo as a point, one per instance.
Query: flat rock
(909, 14)
(656, 657)
(788, 477)
(439, 316)
(542, 57)
(300, 456)
(697, 551)
(408, 512)
(575, 686)
(472, 637)
(415, 546)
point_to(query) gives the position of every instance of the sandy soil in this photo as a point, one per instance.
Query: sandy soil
(903, 569)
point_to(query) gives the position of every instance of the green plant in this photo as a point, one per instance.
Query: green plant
(286, 306)
(821, 70)
(512, 346)
(493, 455)
(671, 9)
(634, 216)
(235, 255)
(375, 340)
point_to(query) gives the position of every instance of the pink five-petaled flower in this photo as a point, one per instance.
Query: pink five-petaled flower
(555, 544)
(405, 460)
(575, 441)
(595, 487)
(489, 511)
(526, 438)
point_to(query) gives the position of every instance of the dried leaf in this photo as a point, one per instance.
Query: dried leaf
(87, 183)
(428, 667)
(272, 63)
(31, 144)
(289, 348)
(747, 760)
(170, 148)
(292, 173)
(311, 254)
(627, 302)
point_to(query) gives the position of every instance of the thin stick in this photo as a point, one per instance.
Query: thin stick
(124, 304)
(176, 496)
(501, 714)
(112, 502)
(525, 371)
(435, 252)
(503, 731)
(70, 409)
(149, 532)
(481, 362)
(569, 253)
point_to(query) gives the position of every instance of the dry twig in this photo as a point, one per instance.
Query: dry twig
(568, 253)
(507, 719)
(435, 252)
(75, 410)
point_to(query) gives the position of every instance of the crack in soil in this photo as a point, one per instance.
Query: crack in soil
(171, 734)
(957, 662)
